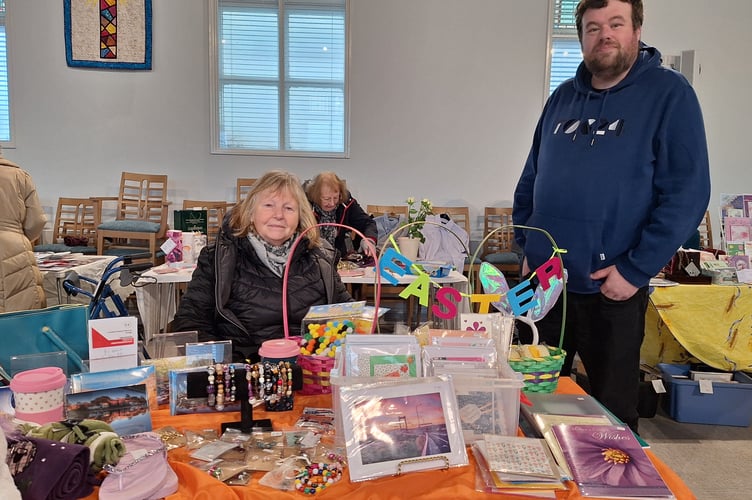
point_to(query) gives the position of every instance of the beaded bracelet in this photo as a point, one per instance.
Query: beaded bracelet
(220, 404)
(288, 368)
(233, 389)
(261, 381)
(279, 396)
(210, 399)
(315, 477)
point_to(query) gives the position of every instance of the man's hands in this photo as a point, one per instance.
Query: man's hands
(614, 286)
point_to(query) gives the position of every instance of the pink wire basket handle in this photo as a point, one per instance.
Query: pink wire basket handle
(377, 287)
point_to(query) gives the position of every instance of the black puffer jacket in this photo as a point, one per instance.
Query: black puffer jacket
(350, 213)
(234, 296)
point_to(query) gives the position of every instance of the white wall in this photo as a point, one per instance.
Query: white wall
(719, 33)
(444, 98)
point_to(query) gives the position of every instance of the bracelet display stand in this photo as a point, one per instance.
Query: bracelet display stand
(196, 388)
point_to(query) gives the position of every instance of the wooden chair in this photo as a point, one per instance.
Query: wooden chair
(461, 217)
(242, 186)
(499, 248)
(706, 232)
(141, 216)
(215, 213)
(390, 293)
(390, 210)
(78, 218)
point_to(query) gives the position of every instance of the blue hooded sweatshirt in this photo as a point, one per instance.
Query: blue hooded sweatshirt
(617, 176)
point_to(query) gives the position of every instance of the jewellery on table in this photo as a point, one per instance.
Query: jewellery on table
(210, 399)
(268, 382)
(261, 381)
(250, 375)
(220, 396)
(230, 374)
(215, 471)
(279, 386)
(219, 369)
(289, 378)
(315, 477)
(336, 458)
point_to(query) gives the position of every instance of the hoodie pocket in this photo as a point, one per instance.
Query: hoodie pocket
(582, 241)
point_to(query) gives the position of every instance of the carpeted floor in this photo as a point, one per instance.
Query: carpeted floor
(713, 460)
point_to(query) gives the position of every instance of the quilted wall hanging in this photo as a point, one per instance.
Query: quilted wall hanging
(112, 34)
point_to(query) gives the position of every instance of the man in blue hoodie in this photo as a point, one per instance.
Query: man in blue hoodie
(618, 174)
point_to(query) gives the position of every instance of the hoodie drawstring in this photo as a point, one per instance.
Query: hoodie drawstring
(594, 130)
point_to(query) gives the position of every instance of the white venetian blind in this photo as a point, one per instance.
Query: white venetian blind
(565, 47)
(281, 75)
(4, 94)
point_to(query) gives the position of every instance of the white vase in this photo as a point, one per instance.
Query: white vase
(409, 247)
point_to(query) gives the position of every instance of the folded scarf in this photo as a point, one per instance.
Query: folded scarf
(7, 486)
(104, 444)
(45, 469)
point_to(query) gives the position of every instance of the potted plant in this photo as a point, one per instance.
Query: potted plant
(416, 215)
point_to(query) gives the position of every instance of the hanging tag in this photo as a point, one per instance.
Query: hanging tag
(658, 386)
(692, 270)
(168, 246)
(706, 386)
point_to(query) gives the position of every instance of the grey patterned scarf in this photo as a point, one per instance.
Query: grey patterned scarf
(272, 256)
(329, 233)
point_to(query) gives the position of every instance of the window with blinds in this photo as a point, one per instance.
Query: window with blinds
(280, 69)
(565, 46)
(4, 91)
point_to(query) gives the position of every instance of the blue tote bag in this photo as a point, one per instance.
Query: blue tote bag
(58, 328)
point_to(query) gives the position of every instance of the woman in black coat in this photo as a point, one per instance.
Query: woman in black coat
(236, 290)
(332, 202)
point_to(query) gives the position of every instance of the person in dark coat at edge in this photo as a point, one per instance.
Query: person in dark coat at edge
(236, 290)
(619, 175)
(332, 202)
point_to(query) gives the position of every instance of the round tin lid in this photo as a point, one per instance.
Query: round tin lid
(38, 380)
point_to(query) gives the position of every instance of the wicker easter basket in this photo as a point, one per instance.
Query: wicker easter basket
(316, 373)
(540, 374)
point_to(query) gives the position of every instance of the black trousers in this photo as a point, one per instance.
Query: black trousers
(607, 335)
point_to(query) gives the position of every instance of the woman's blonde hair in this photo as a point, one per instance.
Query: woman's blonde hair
(325, 179)
(274, 181)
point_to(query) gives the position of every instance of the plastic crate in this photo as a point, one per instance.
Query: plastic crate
(730, 403)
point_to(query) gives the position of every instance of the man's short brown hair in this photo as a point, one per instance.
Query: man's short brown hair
(584, 5)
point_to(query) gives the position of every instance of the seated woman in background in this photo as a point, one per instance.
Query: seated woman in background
(236, 290)
(332, 202)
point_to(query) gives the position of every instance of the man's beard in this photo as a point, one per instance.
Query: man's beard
(610, 65)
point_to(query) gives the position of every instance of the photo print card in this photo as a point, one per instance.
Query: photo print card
(401, 427)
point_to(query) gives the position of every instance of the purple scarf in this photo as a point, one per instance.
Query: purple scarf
(45, 469)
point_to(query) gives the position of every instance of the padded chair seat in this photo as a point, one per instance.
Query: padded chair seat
(502, 258)
(477, 260)
(140, 226)
(60, 247)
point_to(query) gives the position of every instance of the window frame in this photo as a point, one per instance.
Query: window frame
(9, 144)
(568, 34)
(214, 90)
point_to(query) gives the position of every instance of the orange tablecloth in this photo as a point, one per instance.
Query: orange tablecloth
(451, 484)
